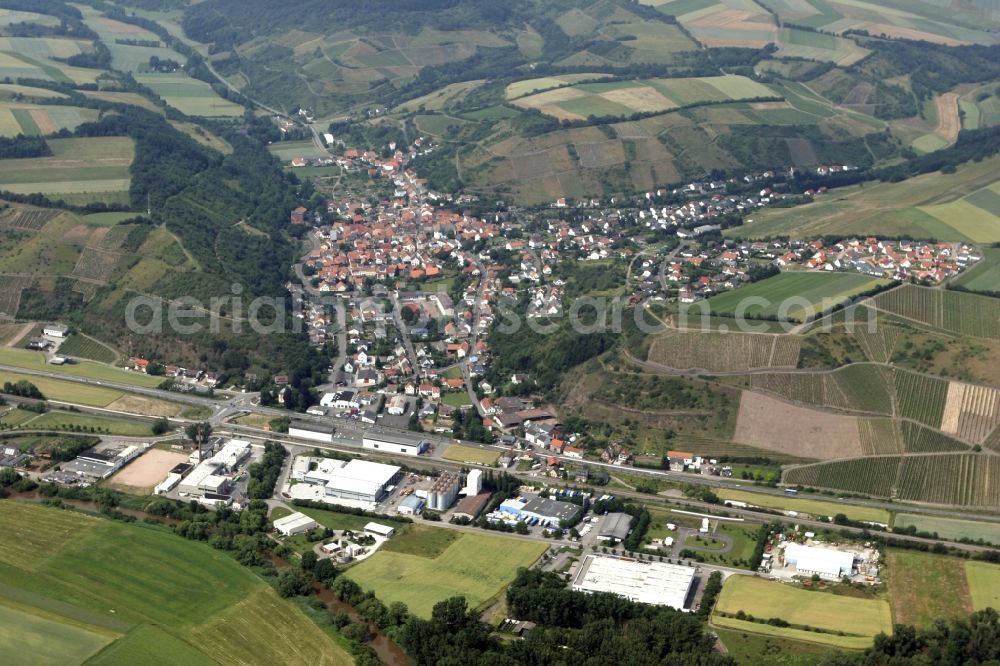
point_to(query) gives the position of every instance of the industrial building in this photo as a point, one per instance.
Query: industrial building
(295, 523)
(825, 562)
(615, 527)
(174, 477)
(471, 506)
(314, 431)
(656, 583)
(474, 482)
(55, 331)
(444, 492)
(361, 481)
(411, 505)
(393, 443)
(100, 463)
(378, 529)
(397, 405)
(540, 510)
(214, 475)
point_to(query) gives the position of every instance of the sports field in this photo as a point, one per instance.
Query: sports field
(163, 592)
(810, 506)
(623, 98)
(963, 206)
(193, 97)
(984, 276)
(93, 165)
(951, 528)
(847, 622)
(469, 567)
(793, 296)
(984, 584)
(470, 454)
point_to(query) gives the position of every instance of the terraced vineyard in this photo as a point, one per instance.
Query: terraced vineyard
(879, 436)
(920, 398)
(863, 388)
(918, 439)
(724, 352)
(870, 476)
(966, 480)
(32, 220)
(956, 312)
(878, 341)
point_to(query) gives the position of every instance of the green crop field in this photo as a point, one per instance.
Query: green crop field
(622, 98)
(530, 86)
(952, 311)
(984, 584)
(23, 66)
(950, 528)
(468, 567)
(57, 420)
(422, 540)
(39, 120)
(22, 358)
(929, 21)
(923, 587)
(470, 454)
(810, 506)
(95, 166)
(949, 207)
(43, 638)
(793, 296)
(859, 620)
(150, 646)
(984, 276)
(55, 389)
(173, 593)
(193, 97)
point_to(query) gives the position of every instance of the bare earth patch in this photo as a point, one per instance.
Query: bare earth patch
(134, 404)
(949, 122)
(148, 469)
(953, 408)
(643, 100)
(769, 423)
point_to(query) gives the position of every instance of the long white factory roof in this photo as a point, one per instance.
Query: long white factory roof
(361, 476)
(655, 583)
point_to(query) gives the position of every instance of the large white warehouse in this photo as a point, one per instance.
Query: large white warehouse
(825, 562)
(361, 481)
(393, 443)
(656, 583)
